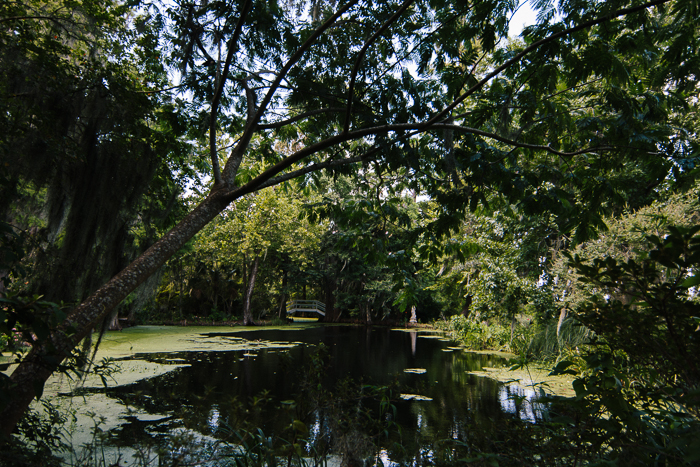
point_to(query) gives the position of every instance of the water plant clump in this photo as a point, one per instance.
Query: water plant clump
(158, 400)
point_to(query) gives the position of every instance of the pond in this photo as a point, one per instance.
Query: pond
(331, 386)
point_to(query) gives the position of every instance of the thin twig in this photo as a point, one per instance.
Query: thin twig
(360, 56)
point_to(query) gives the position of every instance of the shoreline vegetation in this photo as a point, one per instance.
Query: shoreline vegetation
(528, 374)
(88, 415)
(534, 375)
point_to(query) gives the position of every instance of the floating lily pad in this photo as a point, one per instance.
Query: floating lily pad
(165, 339)
(147, 417)
(533, 377)
(415, 397)
(304, 320)
(418, 371)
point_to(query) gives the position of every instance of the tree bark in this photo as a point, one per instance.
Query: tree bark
(562, 317)
(330, 286)
(28, 379)
(181, 291)
(283, 296)
(113, 324)
(466, 309)
(247, 315)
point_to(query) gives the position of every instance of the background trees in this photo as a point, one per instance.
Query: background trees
(100, 168)
(367, 255)
(264, 234)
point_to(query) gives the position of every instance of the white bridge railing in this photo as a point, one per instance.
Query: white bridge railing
(306, 305)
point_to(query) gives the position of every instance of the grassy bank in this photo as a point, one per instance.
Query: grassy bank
(534, 342)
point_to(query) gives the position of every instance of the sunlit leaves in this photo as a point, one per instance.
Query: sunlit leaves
(270, 222)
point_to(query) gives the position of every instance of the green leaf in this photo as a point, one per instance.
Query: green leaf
(579, 388)
(562, 368)
(691, 282)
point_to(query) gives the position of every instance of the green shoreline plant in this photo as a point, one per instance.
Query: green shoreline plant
(637, 379)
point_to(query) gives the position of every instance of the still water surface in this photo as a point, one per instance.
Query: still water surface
(213, 392)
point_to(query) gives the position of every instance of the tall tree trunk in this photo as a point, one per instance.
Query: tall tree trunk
(113, 321)
(247, 315)
(562, 312)
(467, 306)
(330, 286)
(283, 296)
(181, 291)
(562, 317)
(27, 381)
(214, 290)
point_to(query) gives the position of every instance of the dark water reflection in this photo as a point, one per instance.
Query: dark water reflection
(219, 391)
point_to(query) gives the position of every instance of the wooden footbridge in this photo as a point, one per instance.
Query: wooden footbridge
(306, 306)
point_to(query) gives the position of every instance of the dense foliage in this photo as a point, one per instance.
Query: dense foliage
(392, 159)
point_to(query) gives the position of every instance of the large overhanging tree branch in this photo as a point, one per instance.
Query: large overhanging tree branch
(252, 122)
(535, 45)
(389, 120)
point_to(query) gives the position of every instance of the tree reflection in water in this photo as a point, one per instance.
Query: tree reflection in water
(338, 398)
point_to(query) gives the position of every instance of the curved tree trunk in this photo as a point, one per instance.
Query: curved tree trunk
(27, 381)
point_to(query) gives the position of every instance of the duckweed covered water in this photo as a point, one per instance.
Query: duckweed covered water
(214, 380)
